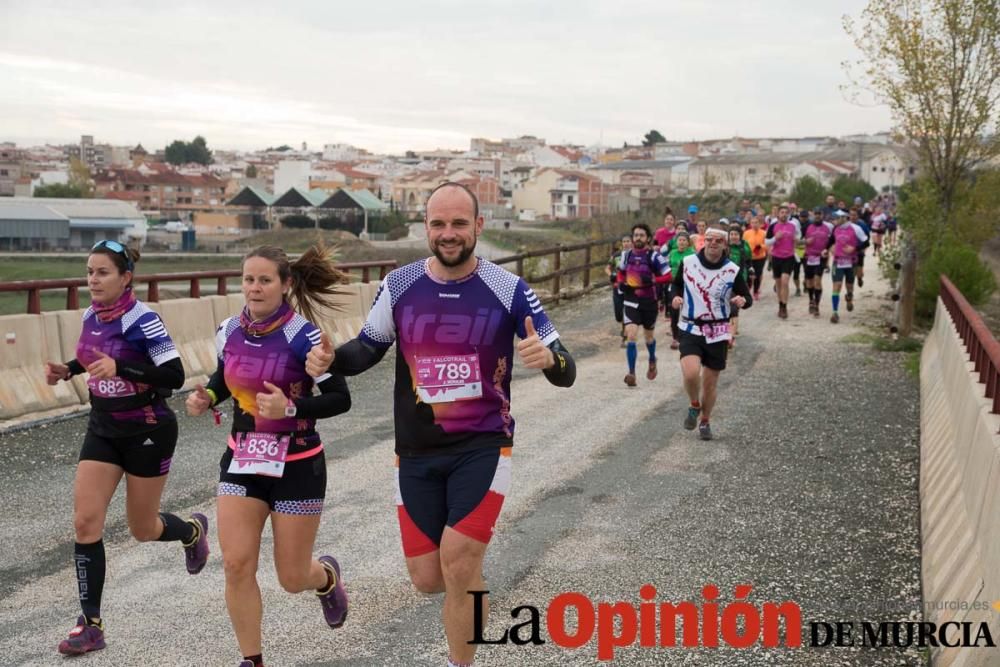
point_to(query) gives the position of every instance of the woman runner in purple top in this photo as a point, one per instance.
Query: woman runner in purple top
(274, 465)
(132, 365)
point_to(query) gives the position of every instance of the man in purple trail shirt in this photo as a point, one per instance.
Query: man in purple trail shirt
(453, 317)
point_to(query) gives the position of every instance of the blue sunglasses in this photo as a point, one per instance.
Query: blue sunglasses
(117, 248)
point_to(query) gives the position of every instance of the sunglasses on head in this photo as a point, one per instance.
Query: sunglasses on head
(117, 248)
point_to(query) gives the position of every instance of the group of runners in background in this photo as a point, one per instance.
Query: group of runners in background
(653, 273)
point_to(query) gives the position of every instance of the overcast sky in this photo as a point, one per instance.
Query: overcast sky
(395, 75)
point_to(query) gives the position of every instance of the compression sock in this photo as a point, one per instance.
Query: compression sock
(631, 353)
(651, 348)
(819, 294)
(90, 566)
(836, 301)
(177, 529)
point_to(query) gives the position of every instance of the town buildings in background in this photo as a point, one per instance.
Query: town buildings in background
(523, 178)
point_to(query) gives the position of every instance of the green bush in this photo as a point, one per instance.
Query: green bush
(807, 193)
(963, 267)
(849, 187)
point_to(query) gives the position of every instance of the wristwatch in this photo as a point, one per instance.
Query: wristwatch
(290, 409)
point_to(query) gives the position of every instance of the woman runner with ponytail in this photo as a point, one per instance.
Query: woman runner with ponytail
(132, 365)
(274, 465)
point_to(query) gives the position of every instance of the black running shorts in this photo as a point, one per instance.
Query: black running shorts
(782, 265)
(642, 312)
(712, 355)
(300, 490)
(145, 455)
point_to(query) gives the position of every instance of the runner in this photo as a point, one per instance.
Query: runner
(739, 254)
(854, 217)
(274, 465)
(132, 365)
(617, 300)
(817, 235)
(846, 238)
(454, 317)
(781, 238)
(878, 228)
(756, 237)
(707, 285)
(639, 269)
(674, 258)
(698, 238)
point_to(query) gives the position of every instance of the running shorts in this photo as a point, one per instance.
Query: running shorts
(782, 265)
(712, 355)
(146, 455)
(642, 312)
(464, 491)
(846, 272)
(300, 490)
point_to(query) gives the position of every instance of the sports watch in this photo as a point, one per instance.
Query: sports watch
(290, 409)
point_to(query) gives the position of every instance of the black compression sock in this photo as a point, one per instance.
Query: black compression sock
(176, 529)
(90, 565)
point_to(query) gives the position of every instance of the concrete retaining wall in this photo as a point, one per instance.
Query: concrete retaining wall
(28, 341)
(959, 494)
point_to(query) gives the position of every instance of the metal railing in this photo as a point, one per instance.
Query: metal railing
(557, 254)
(984, 350)
(72, 286)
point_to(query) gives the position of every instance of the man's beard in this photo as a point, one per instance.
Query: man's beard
(638, 245)
(464, 255)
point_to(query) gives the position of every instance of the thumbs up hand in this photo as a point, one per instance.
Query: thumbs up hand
(104, 368)
(531, 350)
(198, 401)
(320, 357)
(271, 404)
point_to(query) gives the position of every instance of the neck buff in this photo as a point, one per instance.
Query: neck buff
(262, 327)
(112, 311)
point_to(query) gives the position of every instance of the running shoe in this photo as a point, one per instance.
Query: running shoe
(835, 318)
(246, 663)
(850, 304)
(630, 379)
(334, 601)
(651, 371)
(675, 344)
(783, 311)
(798, 291)
(861, 281)
(196, 554)
(704, 430)
(83, 638)
(756, 295)
(692, 418)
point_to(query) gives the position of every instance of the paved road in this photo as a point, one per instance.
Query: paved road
(809, 494)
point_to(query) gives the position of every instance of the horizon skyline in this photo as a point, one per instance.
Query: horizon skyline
(394, 77)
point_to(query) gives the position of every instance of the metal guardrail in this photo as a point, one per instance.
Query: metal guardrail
(72, 286)
(984, 350)
(556, 253)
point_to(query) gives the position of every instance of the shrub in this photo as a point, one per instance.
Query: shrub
(298, 221)
(963, 267)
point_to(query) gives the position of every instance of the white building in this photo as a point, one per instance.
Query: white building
(292, 174)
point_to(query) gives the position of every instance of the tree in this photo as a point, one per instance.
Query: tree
(848, 187)
(58, 190)
(181, 152)
(807, 193)
(936, 63)
(653, 137)
(251, 171)
(79, 177)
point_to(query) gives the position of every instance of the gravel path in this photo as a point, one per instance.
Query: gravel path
(809, 494)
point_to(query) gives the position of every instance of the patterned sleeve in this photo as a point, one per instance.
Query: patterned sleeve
(526, 303)
(379, 329)
(660, 263)
(306, 336)
(222, 334)
(147, 331)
